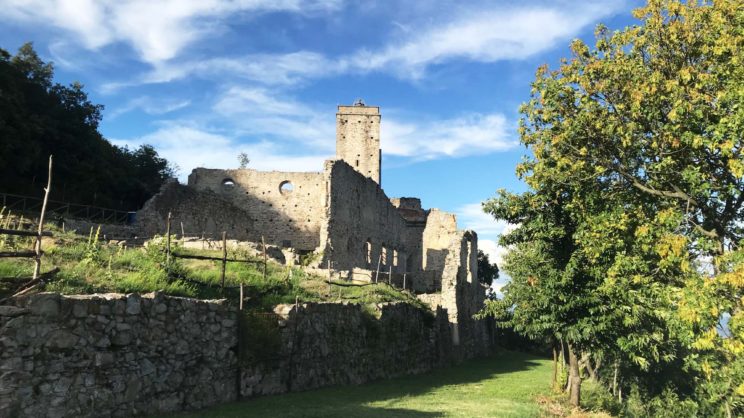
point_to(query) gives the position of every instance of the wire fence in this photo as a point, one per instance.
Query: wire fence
(55, 208)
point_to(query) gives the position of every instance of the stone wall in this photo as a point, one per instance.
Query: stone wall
(361, 222)
(127, 355)
(114, 355)
(342, 344)
(358, 139)
(288, 209)
(203, 213)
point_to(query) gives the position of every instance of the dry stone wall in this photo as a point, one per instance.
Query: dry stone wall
(128, 355)
(114, 355)
(341, 344)
(288, 209)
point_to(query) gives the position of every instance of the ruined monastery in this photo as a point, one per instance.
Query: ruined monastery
(340, 218)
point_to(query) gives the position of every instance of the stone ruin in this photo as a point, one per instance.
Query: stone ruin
(342, 217)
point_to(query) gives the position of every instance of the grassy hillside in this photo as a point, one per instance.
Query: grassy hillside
(88, 265)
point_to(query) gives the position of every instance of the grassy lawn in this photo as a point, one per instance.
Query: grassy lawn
(501, 386)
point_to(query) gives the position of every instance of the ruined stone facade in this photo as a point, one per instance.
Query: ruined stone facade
(342, 214)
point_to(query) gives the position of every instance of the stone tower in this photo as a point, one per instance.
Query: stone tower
(358, 138)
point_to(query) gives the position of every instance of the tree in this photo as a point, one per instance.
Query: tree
(243, 160)
(487, 272)
(639, 140)
(39, 117)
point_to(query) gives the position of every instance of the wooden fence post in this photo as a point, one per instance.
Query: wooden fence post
(379, 260)
(167, 242)
(224, 258)
(263, 247)
(390, 276)
(37, 247)
(404, 281)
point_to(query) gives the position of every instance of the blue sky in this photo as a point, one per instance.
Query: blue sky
(205, 80)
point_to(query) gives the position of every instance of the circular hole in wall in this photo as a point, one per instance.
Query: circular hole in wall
(228, 183)
(286, 187)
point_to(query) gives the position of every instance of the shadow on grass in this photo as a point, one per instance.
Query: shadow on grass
(386, 395)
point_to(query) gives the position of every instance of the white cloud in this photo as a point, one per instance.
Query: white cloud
(467, 135)
(149, 105)
(191, 146)
(270, 69)
(480, 34)
(157, 30)
(258, 112)
(483, 36)
(489, 229)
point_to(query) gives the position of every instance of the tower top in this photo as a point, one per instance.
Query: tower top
(358, 138)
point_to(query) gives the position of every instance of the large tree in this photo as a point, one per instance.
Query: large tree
(639, 139)
(39, 117)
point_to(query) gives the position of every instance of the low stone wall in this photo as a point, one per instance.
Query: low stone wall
(114, 355)
(341, 344)
(127, 355)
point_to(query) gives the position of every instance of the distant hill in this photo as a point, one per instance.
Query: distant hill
(39, 117)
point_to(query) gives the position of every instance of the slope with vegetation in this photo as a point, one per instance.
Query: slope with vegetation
(628, 254)
(89, 265)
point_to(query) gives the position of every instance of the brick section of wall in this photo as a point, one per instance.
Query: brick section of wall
(292, 218)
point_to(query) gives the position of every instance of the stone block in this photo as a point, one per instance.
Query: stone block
(12, 311)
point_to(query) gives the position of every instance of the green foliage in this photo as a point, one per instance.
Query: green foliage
(39, 117)
(637, 181)
(487, 271)
(260, 338)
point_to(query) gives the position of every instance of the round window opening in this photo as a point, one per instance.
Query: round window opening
(286, 187)
(228, 183)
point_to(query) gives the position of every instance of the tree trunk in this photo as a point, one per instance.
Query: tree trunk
(555, 367)
(574, 377)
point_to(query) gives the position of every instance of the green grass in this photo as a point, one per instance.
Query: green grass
(88, 265)
(504, 385)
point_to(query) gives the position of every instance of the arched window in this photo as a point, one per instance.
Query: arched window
(383, 255)
(395, 257)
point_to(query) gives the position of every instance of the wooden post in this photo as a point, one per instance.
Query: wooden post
(404, 281)
(183, 234)
(390, 276)
(241, 295)
(263, 247)
(37, 247)
(224, 259)
(167, 241)
(379, 260)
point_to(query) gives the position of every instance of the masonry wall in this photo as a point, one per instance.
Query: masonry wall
(129, 355)
(284, 217)
(342, 344)
(201, 212)
(114, 355)
(359, 212)
(358, 139)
